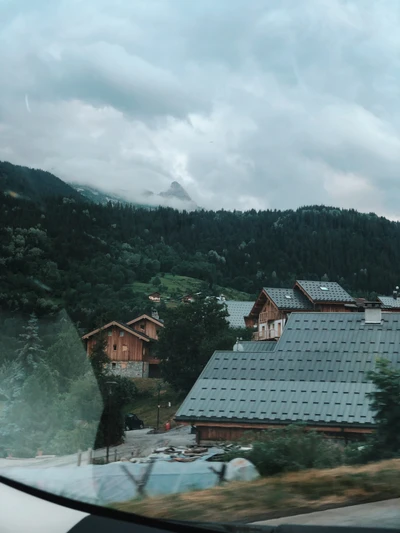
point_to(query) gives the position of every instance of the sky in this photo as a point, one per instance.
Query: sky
(246, 103)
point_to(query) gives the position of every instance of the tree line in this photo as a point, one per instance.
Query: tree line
(83, 257)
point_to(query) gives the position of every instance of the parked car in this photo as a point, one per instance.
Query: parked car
(133, 422)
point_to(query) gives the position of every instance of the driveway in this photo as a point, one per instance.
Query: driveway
(384, 514)
(138, 443)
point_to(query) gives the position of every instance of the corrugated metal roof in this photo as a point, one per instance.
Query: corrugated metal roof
(317, 373)
(275, 366)
(262, 401)
(341, 333)
(389, 302)
(325, 291)
(288, 298)
(257, 346)
(237, 311)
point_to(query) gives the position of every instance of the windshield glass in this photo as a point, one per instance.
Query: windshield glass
(199, 256)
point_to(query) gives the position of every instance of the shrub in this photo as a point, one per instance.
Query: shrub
(290, 449)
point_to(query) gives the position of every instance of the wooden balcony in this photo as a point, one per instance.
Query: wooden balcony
(267, 334)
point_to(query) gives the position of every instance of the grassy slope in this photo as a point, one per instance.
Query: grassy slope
(275, 496)
(145, 405)
(184, 285)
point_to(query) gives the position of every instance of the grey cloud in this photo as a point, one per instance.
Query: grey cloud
(247, 104)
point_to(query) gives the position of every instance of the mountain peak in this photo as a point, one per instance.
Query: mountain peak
(176, 191)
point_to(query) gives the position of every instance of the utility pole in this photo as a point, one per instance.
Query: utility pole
(110, 385)
(158, 405)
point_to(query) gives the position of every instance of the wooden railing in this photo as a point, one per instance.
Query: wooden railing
(267, 334)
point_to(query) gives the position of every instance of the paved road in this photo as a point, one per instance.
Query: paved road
(138, 443)
(379, 514)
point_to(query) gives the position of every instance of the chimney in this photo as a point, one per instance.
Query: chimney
(395, 293)
(154, 314)
(373, 313)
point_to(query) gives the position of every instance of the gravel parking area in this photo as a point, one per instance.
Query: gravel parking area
(138, 443)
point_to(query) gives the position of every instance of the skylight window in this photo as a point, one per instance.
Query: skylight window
(323, 288)
(288, 296)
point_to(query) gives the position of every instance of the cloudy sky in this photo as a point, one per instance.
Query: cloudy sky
(247, 103)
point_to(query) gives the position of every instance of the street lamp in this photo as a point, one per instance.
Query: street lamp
(158, 404)
(110, 385)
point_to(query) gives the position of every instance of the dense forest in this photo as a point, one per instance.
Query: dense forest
(63, 252)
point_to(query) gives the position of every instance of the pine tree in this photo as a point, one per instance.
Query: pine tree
(98, 357)
(31, 351)
(67, 355)
(189, 338)
(385, 402)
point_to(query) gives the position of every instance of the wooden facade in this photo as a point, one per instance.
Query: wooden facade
(213, 432)
(271, 319)
(129, 343)
(271, 312)
(146, 324)
(122, 345)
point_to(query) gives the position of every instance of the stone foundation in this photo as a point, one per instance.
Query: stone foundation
(129, 369)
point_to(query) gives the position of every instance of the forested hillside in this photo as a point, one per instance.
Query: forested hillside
(87, 257)
(33, 184)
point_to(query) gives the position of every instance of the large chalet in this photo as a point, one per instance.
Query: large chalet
(274, 305)
(130, 346)
(317, 373)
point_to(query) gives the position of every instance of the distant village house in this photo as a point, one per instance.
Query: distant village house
(130, 346)
(274, 305)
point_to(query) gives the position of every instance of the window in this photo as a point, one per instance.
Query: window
(110, 333)
(114, 347)
(323, 288)
(114, 365)
(288, 296)
(121, 333)
(142, 326)
(124, 348)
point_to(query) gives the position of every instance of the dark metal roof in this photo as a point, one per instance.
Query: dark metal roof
(237, 311)
(289, 299)
(257, 346)
(344, 333)
(325, 291)
(317, 373)
(271, 401)
(136, 332)
(316, 366)
(132, 330)
(389, 302)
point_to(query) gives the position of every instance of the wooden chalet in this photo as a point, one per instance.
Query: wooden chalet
(274, 305)
(155, 297)
(129, 346)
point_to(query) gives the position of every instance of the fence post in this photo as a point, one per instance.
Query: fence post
(115, 456)
(219, 473)
(142, 482)
(79, 457)
(90, 456)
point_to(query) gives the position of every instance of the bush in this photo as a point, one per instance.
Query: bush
(290, 449)
(367, 451)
